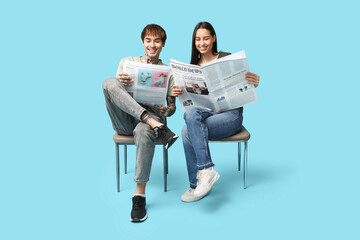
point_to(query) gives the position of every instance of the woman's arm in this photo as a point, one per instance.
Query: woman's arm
(177, 91)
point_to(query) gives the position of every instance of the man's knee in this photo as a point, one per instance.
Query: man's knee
(144, 133)
(112, 83)
(109, 83)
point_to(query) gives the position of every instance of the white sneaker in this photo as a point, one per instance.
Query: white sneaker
(189, 196)
(206, 179)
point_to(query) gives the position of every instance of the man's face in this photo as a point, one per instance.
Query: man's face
(153, 46)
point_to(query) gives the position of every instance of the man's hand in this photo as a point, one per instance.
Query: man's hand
(125, 79)
(252, 78)
(177, 91)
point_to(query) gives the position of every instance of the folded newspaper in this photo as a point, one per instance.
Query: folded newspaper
(219, 85)
(150, 83)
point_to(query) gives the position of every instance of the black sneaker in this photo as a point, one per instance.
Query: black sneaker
(166, 135)
(138, 211)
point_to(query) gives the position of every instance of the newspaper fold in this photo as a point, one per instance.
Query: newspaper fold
(219, 85)
(150, 83)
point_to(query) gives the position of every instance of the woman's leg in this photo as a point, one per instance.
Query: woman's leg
(197, 134)
(203, 125)
(190, 157)
(224, 124)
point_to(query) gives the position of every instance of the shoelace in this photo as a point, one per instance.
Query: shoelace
(137, 201)
(162, 129)
(159, 129)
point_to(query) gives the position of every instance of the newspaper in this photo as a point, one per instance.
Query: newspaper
(219, 85)
(150, 83)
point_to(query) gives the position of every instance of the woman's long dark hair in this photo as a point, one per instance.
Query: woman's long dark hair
(195, 54)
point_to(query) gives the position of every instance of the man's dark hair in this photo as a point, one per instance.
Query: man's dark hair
(154, 30)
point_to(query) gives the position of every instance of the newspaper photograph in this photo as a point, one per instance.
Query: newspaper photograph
(150, 83)
(191, 80)
(219, 85)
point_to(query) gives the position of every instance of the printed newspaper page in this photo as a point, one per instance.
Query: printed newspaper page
(191, 80)
(150, 83)
(223, 79)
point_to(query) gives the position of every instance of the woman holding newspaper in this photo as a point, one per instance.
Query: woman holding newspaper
(203, 124)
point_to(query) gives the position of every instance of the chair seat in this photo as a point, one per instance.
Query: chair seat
(241, 136)
(129, 139)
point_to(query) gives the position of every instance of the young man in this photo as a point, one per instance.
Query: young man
(145, 123)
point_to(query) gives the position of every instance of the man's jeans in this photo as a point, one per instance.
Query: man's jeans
(125, 115)
(201, 126)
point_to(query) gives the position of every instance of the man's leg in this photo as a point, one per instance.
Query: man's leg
(145, 146)
(124, 110)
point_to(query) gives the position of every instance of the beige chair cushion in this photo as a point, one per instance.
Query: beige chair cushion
(124, 139)
(241, 136)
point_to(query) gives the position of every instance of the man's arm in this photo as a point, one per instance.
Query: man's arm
(170, 109)
(121, 66)
(125, 79)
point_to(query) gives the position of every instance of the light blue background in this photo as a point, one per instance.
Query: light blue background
(57, 170)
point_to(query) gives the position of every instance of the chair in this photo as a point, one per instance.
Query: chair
(242, 136)
(129, 140)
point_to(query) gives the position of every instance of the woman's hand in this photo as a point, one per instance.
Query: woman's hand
(125, 79)
(252, 78)
(177, 91)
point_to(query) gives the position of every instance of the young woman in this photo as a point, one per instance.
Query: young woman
(203, 124)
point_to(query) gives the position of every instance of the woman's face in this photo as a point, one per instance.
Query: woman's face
(204, 41)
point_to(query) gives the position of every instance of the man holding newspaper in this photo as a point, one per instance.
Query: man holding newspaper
(134, 100)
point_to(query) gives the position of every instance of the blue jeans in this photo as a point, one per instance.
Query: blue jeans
(201, 126)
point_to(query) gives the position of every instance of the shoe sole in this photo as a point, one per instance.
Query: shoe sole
(168, 145)
(136, 220)
(195, 198)
(211, 183)
(191, 200)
